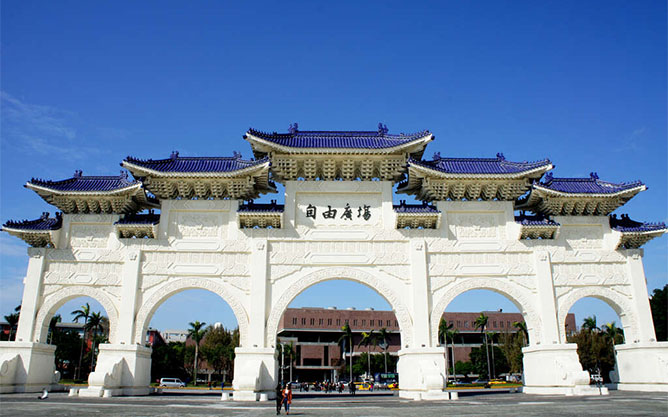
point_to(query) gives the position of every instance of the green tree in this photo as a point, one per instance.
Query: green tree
(67, 351)
(614, 333)
(383, 342)
(448, 332)
(481, 323)
(368, 339)
(52, 327)
(658, 302)
(511, 344)
(96, 326)
(522, 327)
(167, 361)
(480, 358)
(82, 313)
(218, 350)
(464, 368)
(196, 333)
(595, 351)
(589, 324)
(347, 339)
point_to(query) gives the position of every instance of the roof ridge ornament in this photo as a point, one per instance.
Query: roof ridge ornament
(501, 157)
(124, 174)
(593, 175)
(78, 173)
(548, 178)
(437, 156)
(382, 129)
(294, 128)
(174, 155)
(236, 154)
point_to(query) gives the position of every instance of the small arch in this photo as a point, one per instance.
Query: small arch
(169, 289)
(516, 294)
(616, 301)
(53, 302)
(351, 274)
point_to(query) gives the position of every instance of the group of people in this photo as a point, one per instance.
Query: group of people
(325, 386)
(283, 398)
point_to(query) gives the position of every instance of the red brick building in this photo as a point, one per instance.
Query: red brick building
(315, 332)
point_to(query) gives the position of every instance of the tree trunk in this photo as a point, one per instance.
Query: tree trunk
(195, 370)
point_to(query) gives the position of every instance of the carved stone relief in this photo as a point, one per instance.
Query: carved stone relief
(589, 274)
(582, 236)
(196, 225)
(79, 273)
(377, 253)
(89, 236)
(474, 225)
(480, 264)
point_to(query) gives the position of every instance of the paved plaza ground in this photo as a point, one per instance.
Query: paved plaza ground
(469, 404)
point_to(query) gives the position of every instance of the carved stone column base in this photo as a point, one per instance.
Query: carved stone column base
(27, 367)
(642, 366)
(120, 370)
(555, 369)
(422, 374)
(254, 374)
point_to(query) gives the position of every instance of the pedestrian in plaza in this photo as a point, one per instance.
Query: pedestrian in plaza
(279, 398)
(287, 398)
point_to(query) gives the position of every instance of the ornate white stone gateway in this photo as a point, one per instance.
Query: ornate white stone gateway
(338, 222)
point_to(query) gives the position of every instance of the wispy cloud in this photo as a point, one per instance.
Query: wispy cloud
(11, 246)
(42, 130)
(631, 143)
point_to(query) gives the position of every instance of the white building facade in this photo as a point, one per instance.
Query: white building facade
(338, 222)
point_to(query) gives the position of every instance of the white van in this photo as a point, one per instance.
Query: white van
(172, 382)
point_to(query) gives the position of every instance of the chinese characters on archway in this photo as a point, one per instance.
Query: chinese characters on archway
(362, 212)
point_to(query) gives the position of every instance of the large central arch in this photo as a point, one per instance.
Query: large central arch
(516, 294)
(169, 289)
(352, 274)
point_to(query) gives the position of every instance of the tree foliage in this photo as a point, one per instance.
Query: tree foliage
(511, 345)
(596, 348)
(218, 349)
(167, 361)
(479, 360)
(659, 305)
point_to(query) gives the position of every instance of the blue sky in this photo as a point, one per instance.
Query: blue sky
(85, 84)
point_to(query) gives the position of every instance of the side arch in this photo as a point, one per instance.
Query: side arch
(619, 303)
(53, 302)
(352, 274)
(519, 296)
(176, 285)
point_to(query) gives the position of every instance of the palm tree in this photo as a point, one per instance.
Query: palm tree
(522, 326)
(196, 333)
(12, 320)
(481, 323)
(448, 332)
(82, 313)
(615, 334)
(368, 339)
(347, 337)
(52, 326)
(95, 324)
(383, 336)
(589, 324)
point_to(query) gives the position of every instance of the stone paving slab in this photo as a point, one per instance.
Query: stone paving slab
(475, 404)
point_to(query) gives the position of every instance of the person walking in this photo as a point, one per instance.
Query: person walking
(287, 398)
(279, 398)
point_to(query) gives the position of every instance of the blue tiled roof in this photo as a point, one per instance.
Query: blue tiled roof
(414, 208)
(252, 207)
(143, 218)
(87, 183)
(379, 139)
(535, 220)
(626, 225)
(591, 185)
(491, 166)
(176, 163)
(44, 223)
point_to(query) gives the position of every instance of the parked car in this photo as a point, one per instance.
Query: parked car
(172, 382)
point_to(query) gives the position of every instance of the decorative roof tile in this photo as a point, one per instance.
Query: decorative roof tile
(534, 220)
(414, 208)
(81, 183)
(176, 163)
(140, 218)
(626, 225)
(477, 166)
(591, 185)
(252, 207)
(44, 223)
(379, 139)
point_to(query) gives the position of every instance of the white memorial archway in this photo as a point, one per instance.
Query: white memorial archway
(338, 222)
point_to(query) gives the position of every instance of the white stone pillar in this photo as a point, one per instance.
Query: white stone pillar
(422, 373)
(128, 308)
(546, 302)
(120, 370)
(255, 368)
(258, 294)
(27, 367)
(640, 299)
(32, 294)
(420, 294)
(552, 366)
